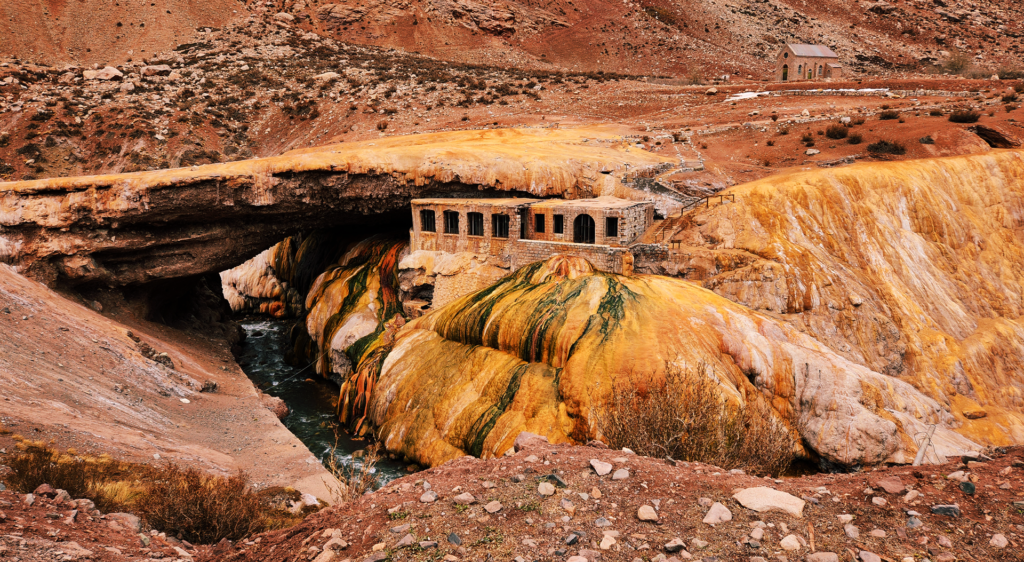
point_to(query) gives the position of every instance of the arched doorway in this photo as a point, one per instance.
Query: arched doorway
(785, 72)
(583, 229)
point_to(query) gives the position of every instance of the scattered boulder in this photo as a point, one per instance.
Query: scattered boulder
(464, 498)
(526, 439)
(429, 496)
(600, 467)
(947, 510)
(493, 507)
(712, 92)
(763, 499)
(646, 513)
(998, 541)
(108, 73)
(675, 545)
(620, 474)
(717, 514)
(790, 542)
(891, 484)
(155, 70)
(546, 489)
(275, 404)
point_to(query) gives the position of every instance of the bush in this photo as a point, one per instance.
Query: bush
(854, 138)
(927, 140)
(859, 121)
(775, 117)
(964, 116)
(201, 508)
(807, 138)
(197, 506)
(957, 63)
(837, 131)
(936, 113)
(889, 115)
(382, 125)
(1010, 98)
(887, 147)
(687, 418)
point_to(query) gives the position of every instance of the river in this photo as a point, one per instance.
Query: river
(310, 399)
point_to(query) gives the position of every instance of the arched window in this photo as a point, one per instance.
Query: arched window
(800, 70)
(583, 229)
(785, 72)
(821, 70)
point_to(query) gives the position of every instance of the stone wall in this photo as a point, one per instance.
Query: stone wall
(604, 258)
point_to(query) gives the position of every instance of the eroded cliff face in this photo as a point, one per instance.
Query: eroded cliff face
(136, 228)
(912, 269)
(540, 350)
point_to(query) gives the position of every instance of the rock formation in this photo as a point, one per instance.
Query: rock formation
(136, 228)
(540, 350)
(912, 269)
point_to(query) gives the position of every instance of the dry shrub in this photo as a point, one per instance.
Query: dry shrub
(686, 417)
(357, 478)
(187, 502)
(855, 138)
(964, 116)
(936, 113)
(887, 147)
(889, 115)
(382, 125)
(200, 507)
(836, 131)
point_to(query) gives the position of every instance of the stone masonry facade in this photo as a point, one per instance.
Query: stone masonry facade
(521, 231)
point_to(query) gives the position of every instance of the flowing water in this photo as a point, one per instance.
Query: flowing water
(310, 399)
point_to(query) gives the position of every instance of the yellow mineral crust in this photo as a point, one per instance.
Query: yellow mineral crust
(539, 351)
(914, 269)
(545, 162)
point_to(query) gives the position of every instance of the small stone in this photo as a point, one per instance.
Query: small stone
(891, 485)
(557, 480)
(646, 513)
(845, 518)
(568, 507)
(877, 533)
(454, 539)
(429, 497)
(577, 559)
(698, 544)
(944, 542)
(822, 557)
(757, 534)
(572, 539)
(546, 489)
(407, 540)
(602, 522)
(526, 439)
(607, 542)
(959, 476)
(911, 496)
(998, 541)
(674, 545)
(717, 514)
(866, 556)
(601, 468)
(465, 498)
(851, 531)
(968, 488)
(812, 152)
(428, 544)
(493, 507)
(46, 491)
(790, 543)
(401, 529)
(595, 493)
(948, 510)
(879, 501)
(914, 523)
(763, 499)
(620, 474)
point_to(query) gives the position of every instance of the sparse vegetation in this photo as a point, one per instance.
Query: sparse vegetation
(957, 63)
(889, 115)
(887, 147)
(854, 138)
(198, 507)
(686, 417)
(837, 131)
(964, 116)
(936, 113)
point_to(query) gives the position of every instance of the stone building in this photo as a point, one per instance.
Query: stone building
(520, 231)
(807, 62)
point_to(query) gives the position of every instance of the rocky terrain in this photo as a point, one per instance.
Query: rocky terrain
(587, 504)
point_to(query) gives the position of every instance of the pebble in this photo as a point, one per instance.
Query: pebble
(968, 488)
(914, 523)
(428, 544)
(620, 474)
(866, 556)
(401, 529)
(790, 542)
(602, 522)
(911, 496)
(407, 540)
(852, 531)
(607, 542)
(948, 510)
(675, 545)
(877, 533)
(945, 542)
(464, 499)
(698, 544)
(429, 497)
(646, 513)
(546, 489)
(717, 514)
(879, 501)
(454, 539)
(493, 507)
(601, 468)
(845, 518)
(822, 557)
(998, 541)
(757, 534)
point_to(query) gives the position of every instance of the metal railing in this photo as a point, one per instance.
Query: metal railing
(707, 201)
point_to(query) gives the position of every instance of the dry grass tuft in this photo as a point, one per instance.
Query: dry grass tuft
(686, 417)
(187, 502)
